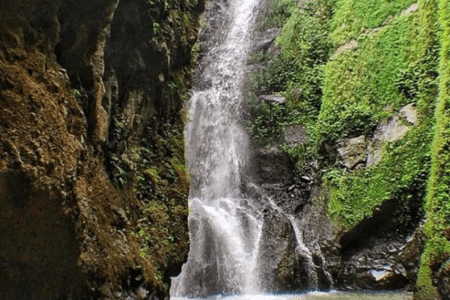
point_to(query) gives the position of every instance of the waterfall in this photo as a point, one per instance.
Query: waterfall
(224, 229)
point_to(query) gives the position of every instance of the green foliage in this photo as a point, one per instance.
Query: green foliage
(353, 17)
(359, 83)
(392, 67)
(153, 173)
(438, 198)
(405, 164)
(297, 73)
(305, 39)
(77, 93)
(269, 121)
(279, 12)
(156, 26)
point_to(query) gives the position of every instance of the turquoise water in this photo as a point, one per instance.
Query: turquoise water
(315, 296)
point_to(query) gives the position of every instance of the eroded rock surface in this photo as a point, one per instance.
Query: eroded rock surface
(90, 101)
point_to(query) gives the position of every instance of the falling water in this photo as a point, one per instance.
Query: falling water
(223, 228)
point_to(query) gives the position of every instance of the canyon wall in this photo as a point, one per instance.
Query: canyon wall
(345, 100)
(93, 187)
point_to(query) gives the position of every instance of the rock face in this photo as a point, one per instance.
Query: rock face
(364, 152)
(91, 137)
(273, 166)
(353, 151)
(279, 269)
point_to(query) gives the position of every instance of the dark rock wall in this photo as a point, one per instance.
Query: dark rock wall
(93, 188)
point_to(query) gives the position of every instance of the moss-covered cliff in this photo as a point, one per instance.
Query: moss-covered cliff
(93, 187)
(365, 89)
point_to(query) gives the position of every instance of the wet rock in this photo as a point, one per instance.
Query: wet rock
(277, 269)
(265, 39)
(353, 151)
(296, 135)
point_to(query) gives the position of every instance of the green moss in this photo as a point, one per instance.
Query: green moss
(438, 198)
(402, 173)
(360, 83)
(353, 17)
(391, 67)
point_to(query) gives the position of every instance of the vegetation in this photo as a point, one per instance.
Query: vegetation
(296, 73)
(358, 87)
(387, 54)
(437, 227)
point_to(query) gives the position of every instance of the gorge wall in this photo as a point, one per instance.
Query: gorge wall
(346, 106)
(344, 98)
(93, 187)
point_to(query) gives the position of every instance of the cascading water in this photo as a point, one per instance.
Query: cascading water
(226, 231)
(223, 229)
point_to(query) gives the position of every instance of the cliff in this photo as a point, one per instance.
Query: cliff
(357, 92)
(93, 187)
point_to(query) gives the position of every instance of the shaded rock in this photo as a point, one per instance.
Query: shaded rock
(277, 269)
(272, 99)
(409, 112)
(273, 166)
(265, 39)
(353, 151)
(296, 135)
(410, 254)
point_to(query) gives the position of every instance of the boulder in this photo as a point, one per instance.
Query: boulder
(278, 266)
(272, 99)
(391, 130)
(353, 151)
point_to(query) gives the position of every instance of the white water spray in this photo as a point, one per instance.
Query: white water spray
(223, 230)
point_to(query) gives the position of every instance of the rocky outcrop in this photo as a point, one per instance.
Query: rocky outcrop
(91, 146)
(272, 166)
(279, 269)
(365, 152)
(353, 151)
